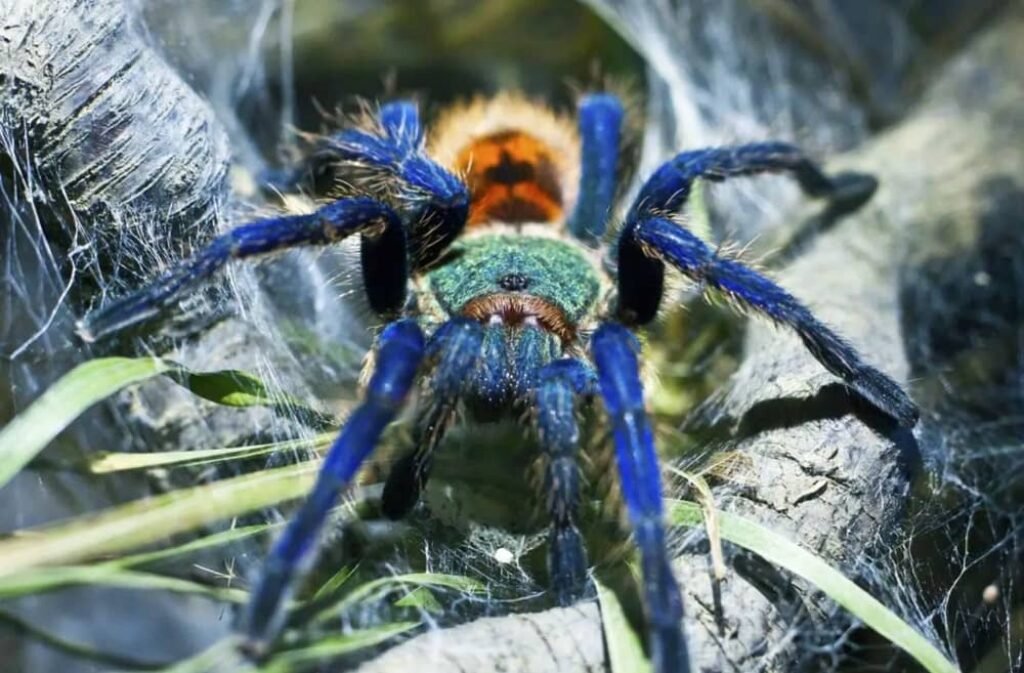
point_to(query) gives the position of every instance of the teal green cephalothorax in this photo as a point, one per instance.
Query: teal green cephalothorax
(535, 293)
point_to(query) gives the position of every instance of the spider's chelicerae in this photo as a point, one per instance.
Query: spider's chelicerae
(482, 251)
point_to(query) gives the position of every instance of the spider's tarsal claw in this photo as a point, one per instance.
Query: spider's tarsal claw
(265, 615)
(886, 395)
(850, 191)
(567, 564)
(668, 650)
(561, 383)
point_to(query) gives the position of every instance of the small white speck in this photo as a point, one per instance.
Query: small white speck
(503, 556)
(982, 279)
(495, 319)
(990, 594)
(531, 320)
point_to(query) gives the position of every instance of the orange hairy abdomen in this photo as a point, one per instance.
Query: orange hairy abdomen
(511, 178)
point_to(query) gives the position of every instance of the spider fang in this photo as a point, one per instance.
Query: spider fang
(517, 310)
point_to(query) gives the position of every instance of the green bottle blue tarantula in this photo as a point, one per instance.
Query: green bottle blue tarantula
(482, 251)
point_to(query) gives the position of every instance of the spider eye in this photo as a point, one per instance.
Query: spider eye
(514, 282)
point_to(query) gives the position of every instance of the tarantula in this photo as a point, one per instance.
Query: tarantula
(484, 257)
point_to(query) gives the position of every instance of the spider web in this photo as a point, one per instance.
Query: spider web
(717, 72)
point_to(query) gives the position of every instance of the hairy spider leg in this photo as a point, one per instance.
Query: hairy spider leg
(433, 199)
(401, 122)
(614, 349)
(560, 384)
(600, 127)
(329, 224)
(456, 346)
(665, 240)
(399, 352)
(669, 187)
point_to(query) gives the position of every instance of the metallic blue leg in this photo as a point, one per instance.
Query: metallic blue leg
(600, 126)
(665, 240)
(614, 349)
(561, 382)
(456, 347)
(402, 135)
(401, 122)
(391, 161)
(667, 190)
(400, 350)
(434, 201)
(669, 187)
(331, 223)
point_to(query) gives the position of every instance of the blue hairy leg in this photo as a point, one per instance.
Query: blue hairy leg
(456, 347)
(669, 187)
(402, 135)
(331, 223)
(600, 127)
(560, 384)
(434, 201)
(614, 350)
(666, 241)
(399, 352)
(401, 122)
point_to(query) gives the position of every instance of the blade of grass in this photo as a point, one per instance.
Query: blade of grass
(88, 383)
(85, 385)
(388, 584)
(154, 519)
(50, 579)
(205, 542)
(784, 553)
(385, 585)
(422, 598)
(229, 387)
(625, 654)
(336, 581)
(707, 504)
(334, 646)
(236, 388)
(106, 463)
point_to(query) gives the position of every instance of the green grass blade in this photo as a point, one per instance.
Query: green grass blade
(422, 598)
(384, 585)
(784, 553)
(85, 385)
(41, 580)
(229, 387)
(336, 581)
(151, 520)
(388, 584)
(236, 388)
(105, 463)
(334, 646)
(707, 503)
(625, 654)
(205, 542)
